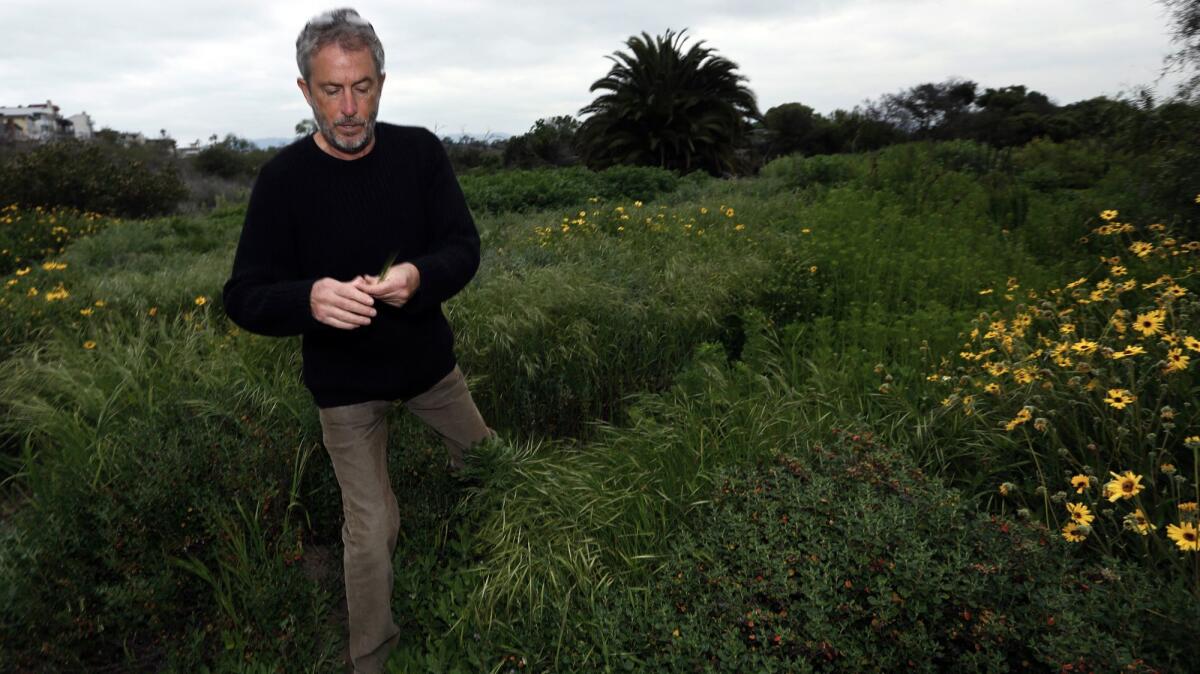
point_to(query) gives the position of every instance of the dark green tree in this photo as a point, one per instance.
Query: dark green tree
(1185, 34)
(666, 107)
(550, 142)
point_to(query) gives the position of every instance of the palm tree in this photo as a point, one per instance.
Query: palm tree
(667, 108)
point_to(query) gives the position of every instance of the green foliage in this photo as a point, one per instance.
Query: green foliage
(847, 558)
(667, 108)
(28, 236)
(550, 142)
(634, 358)
(90, 177)
(231, 158)
(539, 189)
(796, 171)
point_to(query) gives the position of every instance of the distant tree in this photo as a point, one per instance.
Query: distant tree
(231, 158)
(931, 110)
(468, 153)
(305, 127)
(549, 142)
(1185, 34)
(791, 127)
(1012, 116)
(668, 108)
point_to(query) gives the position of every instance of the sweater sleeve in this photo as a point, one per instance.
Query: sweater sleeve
(265, 294)
(453, 257)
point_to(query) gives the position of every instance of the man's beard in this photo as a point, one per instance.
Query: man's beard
(330, 133)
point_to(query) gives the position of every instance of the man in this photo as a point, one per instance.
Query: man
(324, 216)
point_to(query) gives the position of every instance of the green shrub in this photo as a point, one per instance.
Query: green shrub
(1075, 164)
(848, 559)
(90, 177)
(1067, 388)
(540, 189)
(797, 171)
(29, 235)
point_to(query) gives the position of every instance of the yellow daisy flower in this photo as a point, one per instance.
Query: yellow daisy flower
(1119, 398)
(1126, 485)
(1185, 536)
(1080, 482)
(1136, 521)
(1150, 323)
(1080, 513)
(1073, 533)
(89, 345)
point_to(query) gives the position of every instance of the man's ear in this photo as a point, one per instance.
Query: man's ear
(304, 89)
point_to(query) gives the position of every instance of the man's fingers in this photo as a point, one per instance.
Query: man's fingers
(352, 292)
(352, 307)
(342, 319)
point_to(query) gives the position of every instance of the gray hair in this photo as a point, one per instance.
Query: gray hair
(343, 26)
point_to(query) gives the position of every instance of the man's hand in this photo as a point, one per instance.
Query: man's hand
(402, 281)
(342, 305)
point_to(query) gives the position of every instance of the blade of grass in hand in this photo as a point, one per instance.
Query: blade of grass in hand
(387, 266)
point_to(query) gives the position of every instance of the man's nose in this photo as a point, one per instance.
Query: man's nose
(348, 106)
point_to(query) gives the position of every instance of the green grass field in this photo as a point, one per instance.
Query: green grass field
(745, 426)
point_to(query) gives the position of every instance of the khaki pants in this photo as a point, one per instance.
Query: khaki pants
(356, 438)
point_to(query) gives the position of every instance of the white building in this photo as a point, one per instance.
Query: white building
(38, 122)
(82, 126)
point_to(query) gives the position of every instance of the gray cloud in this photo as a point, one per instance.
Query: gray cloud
(222, 66)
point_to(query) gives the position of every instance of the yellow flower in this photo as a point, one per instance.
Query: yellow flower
(1191, 343)
(1066, 329)
(54, 266)
(1185, 536)
(1073, 533)
(703, 210)
(992, 388)
(1080, 513)
(1150, 323)
(86, 311)
(1136, 521)
(812, 269)
(58, 293)
(1024, 415)
(1108, 215)
(729, 212)
(201, 301)
(89, 345)
(1084, 346)
(23, 271)
(1118, 271)
(806, 230)
(99, 303)
(1129, 350)
(153, 311)
(739, 227)
(637, 204)
(1080, 482)
(1119, 398)
(1187, 507)
(1141, 248)
(1126, 485)
(1176, 360)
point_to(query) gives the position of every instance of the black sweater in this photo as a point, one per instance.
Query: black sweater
(312, 215)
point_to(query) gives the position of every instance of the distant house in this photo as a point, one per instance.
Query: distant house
(82, 126)
(41, 122)
(38, 122)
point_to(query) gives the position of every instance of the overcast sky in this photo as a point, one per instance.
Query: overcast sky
(222, 66)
